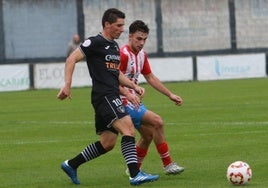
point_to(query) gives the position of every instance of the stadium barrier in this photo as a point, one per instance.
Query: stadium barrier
(51, 75)
(14, 77)
(231, 67)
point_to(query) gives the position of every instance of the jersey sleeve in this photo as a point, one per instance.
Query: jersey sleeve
(146, 66)
(86, 46)
(123, 61)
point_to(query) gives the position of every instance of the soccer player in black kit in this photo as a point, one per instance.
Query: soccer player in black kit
(103, 58)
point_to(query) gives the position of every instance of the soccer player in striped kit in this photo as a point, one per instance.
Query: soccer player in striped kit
(150, 125)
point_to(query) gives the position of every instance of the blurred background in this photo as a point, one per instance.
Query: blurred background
(39, 30)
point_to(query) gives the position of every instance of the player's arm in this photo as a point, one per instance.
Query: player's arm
(124, 81)
(134, 99)
(75, 57)
(159, 86)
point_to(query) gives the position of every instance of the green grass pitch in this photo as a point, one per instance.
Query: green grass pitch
(220, 122)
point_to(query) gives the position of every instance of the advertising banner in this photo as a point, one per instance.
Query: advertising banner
(14, 77)
(51, 75)
(231, 67)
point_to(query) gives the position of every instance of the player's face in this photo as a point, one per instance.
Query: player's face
(115, 29)
(137, 40)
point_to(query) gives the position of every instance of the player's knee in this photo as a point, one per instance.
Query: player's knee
(108, 143)
(108, 146)
(158, 122)
(128, 130)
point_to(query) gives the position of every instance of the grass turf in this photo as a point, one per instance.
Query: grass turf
(219, 122)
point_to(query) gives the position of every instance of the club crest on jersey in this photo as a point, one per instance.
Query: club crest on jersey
(121, 109)
(86, 43)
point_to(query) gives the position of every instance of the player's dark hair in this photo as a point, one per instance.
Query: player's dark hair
(111, 15)
(138, 25)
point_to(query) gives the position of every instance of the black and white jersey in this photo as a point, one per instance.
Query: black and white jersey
(103, 60)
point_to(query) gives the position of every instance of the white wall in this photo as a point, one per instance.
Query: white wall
(51, 75)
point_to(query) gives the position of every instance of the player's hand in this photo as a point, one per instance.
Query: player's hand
(140, 91)
(64, 93)
(177, 99)
(134, 99)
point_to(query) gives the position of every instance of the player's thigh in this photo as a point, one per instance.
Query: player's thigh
(150, 118)
(124, 126)
(136, 114)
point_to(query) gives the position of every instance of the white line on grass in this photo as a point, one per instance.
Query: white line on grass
(57, 122)
(20, 142)
(220, 123)
(168, 123)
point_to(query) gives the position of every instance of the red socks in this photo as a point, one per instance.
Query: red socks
(164, 153)
(141, 153)
(162, 150)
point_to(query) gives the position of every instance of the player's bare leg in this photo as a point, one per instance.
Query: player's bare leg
(153, 129)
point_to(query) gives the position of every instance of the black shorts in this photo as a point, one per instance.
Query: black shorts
(107, 111)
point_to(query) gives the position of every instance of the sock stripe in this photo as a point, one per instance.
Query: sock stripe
(129, 151)
(163, 155)
(90, 152)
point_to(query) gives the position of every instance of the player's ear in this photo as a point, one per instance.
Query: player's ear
(107, 24)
